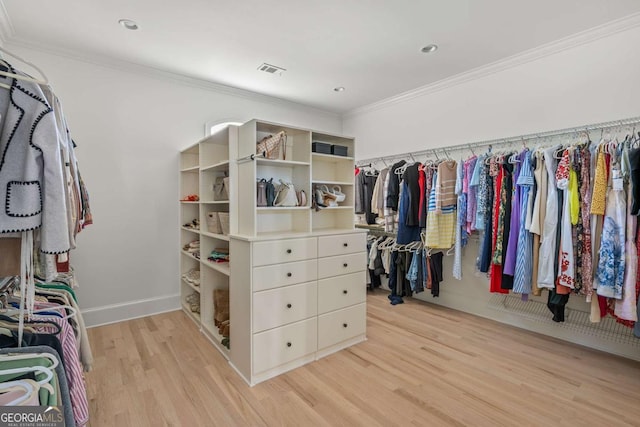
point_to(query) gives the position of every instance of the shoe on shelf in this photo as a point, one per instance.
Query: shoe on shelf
(192, 276)
(191, 198)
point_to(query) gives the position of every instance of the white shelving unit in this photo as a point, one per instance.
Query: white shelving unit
(296, 277)
(297, 281)
(200, 164)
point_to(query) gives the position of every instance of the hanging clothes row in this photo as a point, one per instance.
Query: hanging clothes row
(410, 268)
(46, 206)
(561, 218)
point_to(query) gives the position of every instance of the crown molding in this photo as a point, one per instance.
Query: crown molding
(121, 65)
(570, 42)
(6, 27)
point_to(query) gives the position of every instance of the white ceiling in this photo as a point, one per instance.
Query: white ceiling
(371, 47)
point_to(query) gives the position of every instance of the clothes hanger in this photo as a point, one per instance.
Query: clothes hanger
(66, 307)
(26, 356)
(29, 386)
(43, 81)
(42, 383)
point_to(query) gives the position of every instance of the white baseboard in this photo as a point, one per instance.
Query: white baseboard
(130, 310)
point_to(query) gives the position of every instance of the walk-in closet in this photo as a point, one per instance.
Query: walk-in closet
(284, 213)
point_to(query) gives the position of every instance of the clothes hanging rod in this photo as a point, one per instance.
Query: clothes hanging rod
(251, 157)
(506, 141)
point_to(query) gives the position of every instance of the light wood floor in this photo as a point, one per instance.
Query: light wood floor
(422, 365)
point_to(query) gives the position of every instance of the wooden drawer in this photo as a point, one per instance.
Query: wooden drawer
(278, 346)
(279, 251)
(275, 276)
(341, 244)
(281, 306)
(341, 291)
(342, 264)
(341, 325)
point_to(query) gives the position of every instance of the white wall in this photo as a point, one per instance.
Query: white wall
(129, 128)
(590, 83)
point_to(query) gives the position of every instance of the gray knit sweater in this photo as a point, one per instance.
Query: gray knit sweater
(31, 176)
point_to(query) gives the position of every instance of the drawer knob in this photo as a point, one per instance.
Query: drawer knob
(345, 292)
(288, 305)
(344, 325)
(289, 274)
(288, 344)
(289, 251)
(345, 265)
(345, 244)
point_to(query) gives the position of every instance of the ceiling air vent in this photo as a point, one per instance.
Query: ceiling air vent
(271, 69)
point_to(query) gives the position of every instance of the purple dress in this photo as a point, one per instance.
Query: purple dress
(509, 267)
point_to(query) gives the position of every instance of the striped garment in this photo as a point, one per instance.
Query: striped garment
(524, 265)
(72, 368)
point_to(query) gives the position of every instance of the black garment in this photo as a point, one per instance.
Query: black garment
(507, 180)
(359, 193)
(393, 277)
(421, 273)
(410, 176)
(634, 160)
(369, 184)
(556, 304)
(393, 190)
(436, 273)
(484, 263)
(556, 260)
(406, 291)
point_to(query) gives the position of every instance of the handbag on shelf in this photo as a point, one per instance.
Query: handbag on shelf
(223, 219)
(261, 195)
(213, 223)
(302, 198)
(220, 191)
(286, 195)
(271, 192)
(270, 146)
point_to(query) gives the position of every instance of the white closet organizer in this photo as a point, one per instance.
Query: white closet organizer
(200, 164)
(297, 275)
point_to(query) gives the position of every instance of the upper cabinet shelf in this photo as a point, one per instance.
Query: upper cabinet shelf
(217, 167)
(298, 165)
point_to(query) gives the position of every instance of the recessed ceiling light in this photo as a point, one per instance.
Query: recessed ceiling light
(430, 48)
(339, 89)
(128, 24)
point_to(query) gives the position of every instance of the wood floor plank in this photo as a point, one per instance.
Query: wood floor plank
(421, 365)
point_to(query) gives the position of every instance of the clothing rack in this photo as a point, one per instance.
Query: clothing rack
(490, 144)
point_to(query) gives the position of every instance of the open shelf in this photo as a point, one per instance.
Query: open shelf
(222, 166)
(222, 267)
(215, 202)
(331, 157)
(189, 203)
(185, 253)
(280, 163)
(194, 316)
(191, 169)
(192, 230)
(215, 236)
(194, 287)
(211, 331)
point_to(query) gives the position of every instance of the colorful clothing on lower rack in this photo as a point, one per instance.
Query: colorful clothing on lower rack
(610, 269)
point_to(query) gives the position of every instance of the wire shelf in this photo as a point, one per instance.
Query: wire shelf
(575, 320)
